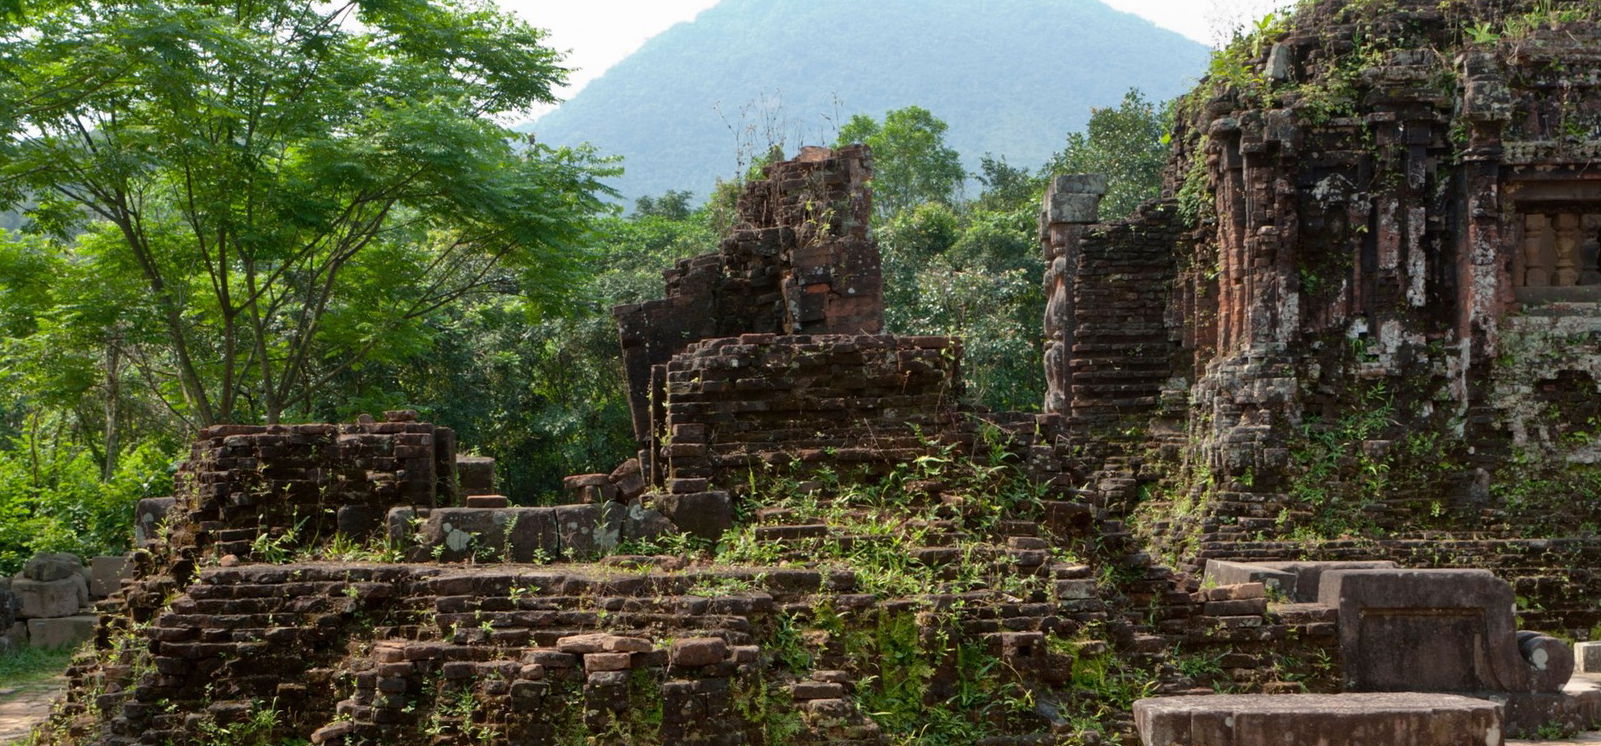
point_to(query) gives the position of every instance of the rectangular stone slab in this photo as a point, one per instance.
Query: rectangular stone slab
(1362, 719)
(62, 632)
(1297, 581)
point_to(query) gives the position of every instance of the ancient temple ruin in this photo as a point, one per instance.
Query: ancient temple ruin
(1335, 396)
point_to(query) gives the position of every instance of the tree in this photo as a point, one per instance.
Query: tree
(1006, 187)
(673, 205)
(911, 162)
(295, 185)
(1129, 145)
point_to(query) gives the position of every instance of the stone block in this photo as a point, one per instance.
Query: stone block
(52, 566)
(585, 489)
(586, 531)
(640, 522)
(1079, 184)
(600, 642)
(106, 575)
(1295, 581)
(1073, 208)
(805, 690)
(696, 652)
(148, 515)
(398, 526)
(1361, 719)
(1588, 656)
(51, 599)
(359, 521)
(1439, 631)
(630, 480)
(704, 514)
(487, 501)
(61, 632)
(476, 474)
(594, 662)
(508, 534)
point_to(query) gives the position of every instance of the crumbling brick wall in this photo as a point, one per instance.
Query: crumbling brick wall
(1109, 337)
(800, 261)
(241, 481)
(741, 403)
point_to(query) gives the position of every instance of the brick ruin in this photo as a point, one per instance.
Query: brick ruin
(1357, 336)
(1365, 317)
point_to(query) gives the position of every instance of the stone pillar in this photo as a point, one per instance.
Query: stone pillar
(1567, 250)
(1071, 202)
(1484, 284)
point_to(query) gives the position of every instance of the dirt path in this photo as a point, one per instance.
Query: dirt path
(24, 706)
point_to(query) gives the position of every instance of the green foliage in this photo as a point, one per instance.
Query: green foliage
(281, 191)
(674, 204)
(974, 275)
(1007, 188)
(53, 499)
(29, 665)
(912, 165)
(985, 487)
(1345, 470)
(768, 708)
(255, 729)
(1129, 145)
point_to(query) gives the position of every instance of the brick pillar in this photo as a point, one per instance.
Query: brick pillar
(1071, 202)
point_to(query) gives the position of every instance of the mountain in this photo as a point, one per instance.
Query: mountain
(1011, 77)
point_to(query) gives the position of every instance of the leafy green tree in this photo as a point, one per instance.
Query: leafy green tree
(296, 186)
(911, 162)
(1128, 144)
(674, 204)
(542, 393)
(1007, 188)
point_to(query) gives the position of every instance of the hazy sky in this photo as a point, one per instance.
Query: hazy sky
(599, 33)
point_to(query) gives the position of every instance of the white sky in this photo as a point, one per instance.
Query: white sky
(599, 33)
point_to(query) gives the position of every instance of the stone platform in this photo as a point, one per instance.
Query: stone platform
(1361, 719)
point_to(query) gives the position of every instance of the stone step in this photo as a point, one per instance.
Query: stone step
(1360, 719)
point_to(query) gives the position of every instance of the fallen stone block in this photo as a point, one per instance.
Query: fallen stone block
(1361, 719)
(52, 566)
(588, 489)
(51, 599)
(60, 632)
(630, 480)
(106, 575)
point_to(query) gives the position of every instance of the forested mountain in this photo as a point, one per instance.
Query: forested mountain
(1011, 77)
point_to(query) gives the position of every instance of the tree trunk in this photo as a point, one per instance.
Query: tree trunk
(113, 400)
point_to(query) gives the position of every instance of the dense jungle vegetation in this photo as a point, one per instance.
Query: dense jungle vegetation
(279, 210)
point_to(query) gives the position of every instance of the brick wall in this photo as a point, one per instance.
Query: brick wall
(799, 261)
(739, 403)
(243, 480)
